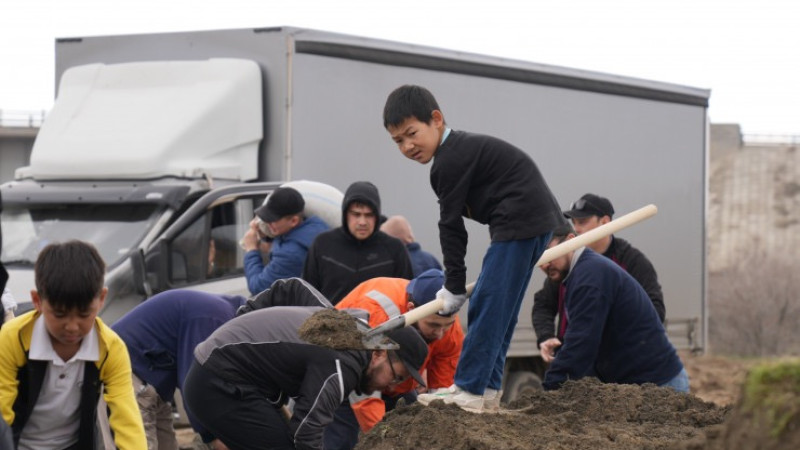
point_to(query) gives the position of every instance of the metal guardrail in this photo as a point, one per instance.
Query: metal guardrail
(16, 118)
(771, 139)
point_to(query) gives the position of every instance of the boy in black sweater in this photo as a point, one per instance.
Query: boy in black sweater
(492, 182)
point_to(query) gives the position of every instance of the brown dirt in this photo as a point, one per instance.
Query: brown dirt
(582, 415)
(767, 412)
(333, 329)
(716, 379)
(585, 414)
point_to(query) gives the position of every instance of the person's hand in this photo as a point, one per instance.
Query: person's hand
(250, 240)
(216, 444)
(452, 302)
(548, 349)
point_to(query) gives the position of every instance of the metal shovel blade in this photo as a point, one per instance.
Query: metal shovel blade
(374, 342)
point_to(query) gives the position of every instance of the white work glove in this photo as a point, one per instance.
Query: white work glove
(9, 304)
(452, 302)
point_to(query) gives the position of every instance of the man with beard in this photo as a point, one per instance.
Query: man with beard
(587, 213)
(613, 331)
(383, 299)
(249, 368)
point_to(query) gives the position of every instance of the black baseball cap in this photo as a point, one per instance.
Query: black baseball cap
(590, 205)
(284, 201)
(412, 352)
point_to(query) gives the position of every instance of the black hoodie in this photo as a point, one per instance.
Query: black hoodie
(337, 262)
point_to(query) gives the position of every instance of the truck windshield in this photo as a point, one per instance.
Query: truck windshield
(113, 229)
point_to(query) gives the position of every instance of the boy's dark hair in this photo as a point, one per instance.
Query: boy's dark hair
(69, 275)
(409, 101)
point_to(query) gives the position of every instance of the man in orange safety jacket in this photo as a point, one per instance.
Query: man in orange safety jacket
(384, 298)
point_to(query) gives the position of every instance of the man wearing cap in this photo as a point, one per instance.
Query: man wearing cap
(382, 299)
(247, 370)
(341, 258)
(588, 213)
(614, 333)
(286, 238)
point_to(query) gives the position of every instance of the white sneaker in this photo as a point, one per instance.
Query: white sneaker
(438, 394)
(491, 399)
(466, 400)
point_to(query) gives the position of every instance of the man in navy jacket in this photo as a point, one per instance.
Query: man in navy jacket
(161, 335)
(613, 331)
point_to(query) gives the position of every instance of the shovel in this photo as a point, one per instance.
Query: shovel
(376, 336)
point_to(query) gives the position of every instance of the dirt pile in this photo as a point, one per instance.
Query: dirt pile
(716, 379)
(585, 414)
(333, 329)
(767, 414)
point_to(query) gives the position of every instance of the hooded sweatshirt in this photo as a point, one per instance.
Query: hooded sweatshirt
(337, 262)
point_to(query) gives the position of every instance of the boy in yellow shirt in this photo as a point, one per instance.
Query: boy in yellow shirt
(56, 360)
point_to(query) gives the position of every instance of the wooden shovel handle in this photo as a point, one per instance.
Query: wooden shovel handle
(598, 233)
(550, 254)
(432, 307)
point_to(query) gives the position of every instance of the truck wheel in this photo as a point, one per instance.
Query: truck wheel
(519, 383)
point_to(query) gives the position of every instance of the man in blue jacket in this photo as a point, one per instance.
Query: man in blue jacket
(286, 236)
(421, 261)
(161, 335)
(613, 332)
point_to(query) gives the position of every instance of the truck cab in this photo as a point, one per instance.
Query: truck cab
(147, 161)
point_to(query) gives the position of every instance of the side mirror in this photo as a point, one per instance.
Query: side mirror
(140, 282)
(162, 264)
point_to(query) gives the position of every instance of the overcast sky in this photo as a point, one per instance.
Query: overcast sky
(745, 51)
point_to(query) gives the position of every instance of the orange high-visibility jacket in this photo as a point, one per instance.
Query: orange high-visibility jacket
(383, 298)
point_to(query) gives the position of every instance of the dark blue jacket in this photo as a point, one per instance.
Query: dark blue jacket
(162, 332)
(286, 257)
(614, 332)
(421, 260)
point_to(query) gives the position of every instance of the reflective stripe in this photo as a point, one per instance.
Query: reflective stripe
(341, 380)
(355, 398)
(388, 306)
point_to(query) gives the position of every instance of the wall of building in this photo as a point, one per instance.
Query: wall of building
(754, 198)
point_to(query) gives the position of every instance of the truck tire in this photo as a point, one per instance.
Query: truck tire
(519, 383)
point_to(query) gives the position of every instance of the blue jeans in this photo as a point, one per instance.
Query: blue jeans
(494, 309)
(680, 382)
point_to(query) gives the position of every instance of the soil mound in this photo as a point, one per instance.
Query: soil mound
(333, 329)
(767, 415)
(584, 414)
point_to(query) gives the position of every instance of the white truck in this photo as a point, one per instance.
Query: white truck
(160, 146)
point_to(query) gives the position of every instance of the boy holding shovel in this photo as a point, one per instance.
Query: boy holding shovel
(494, 183)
